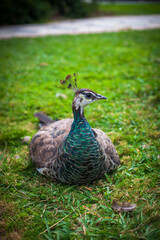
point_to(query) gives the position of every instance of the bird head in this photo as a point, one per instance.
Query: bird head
(84, 97)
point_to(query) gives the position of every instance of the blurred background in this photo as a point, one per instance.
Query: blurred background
(30, 11)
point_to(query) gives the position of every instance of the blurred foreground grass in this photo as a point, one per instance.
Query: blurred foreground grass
(124, 67)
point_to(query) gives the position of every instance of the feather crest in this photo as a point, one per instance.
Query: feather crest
(71, 82)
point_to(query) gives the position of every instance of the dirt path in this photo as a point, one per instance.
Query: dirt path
(82, 26)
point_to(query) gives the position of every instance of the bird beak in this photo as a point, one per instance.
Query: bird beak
(99, 97)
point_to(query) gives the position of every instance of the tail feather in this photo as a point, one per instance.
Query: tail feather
(44, 119)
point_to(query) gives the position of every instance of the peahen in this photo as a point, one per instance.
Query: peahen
(69, 150)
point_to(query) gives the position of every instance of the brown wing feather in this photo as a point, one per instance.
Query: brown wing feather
(44, 144)
(112, 158)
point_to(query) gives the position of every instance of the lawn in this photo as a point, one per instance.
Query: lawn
(129, 9)
(122, 66)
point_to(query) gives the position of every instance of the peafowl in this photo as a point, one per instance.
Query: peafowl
(69, 150)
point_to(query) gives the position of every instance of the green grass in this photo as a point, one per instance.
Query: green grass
(130, 9)
(122, 66)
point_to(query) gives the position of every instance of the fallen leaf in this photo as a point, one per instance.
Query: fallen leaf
(124, 207)
(43, 64)
(88, 188)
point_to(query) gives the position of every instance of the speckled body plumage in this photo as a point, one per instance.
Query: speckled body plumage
(72, 152)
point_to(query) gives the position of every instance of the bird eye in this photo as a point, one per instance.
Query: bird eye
(88, 95)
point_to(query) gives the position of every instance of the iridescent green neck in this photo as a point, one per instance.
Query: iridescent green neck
(80, 143)
(78, 117)
(80, 157)
(80, 123)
